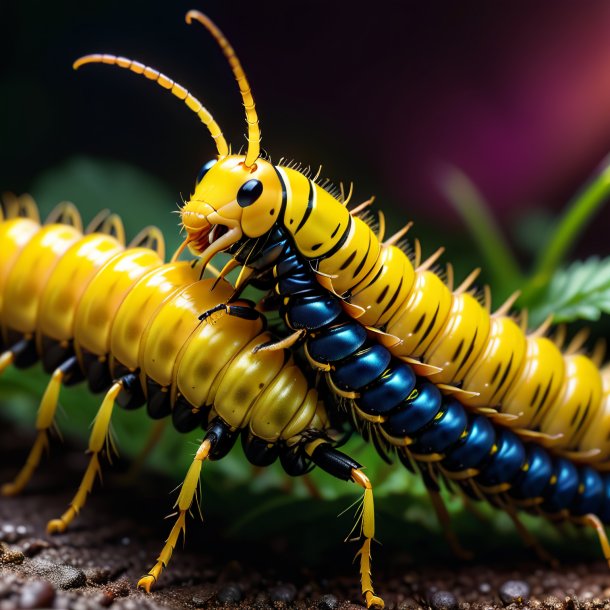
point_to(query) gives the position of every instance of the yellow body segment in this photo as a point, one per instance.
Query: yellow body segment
(458, 344)
(68, 281)
(23, 289)
(141, 302)
(104, 294)
(15, 233)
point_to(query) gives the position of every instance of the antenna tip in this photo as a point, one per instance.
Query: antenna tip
(193, 14)
(85, 59)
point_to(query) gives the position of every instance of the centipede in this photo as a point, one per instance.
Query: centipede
(462, 395)
(91, 309)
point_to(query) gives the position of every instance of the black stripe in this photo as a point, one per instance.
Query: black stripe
(584, 415)
(348, 261)
(505, 376)
(468, 352)
(535, 396)
(546, 393)
(394, 297)
(382, 295)
(427, 331)
(341, 241)
(335, 231)
(366, 254)
(308, 209)
(284, 194)
(458, 349)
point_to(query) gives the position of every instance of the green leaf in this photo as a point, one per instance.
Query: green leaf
(500, 261)
(580, 211)
(578, 292)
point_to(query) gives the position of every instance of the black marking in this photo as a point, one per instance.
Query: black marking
(535, 396)
(427, 331)
(348, 261)
(284, 191)
(373, 280)
(308, 209)
(341, 241)
(419, 323)
(584, 415)
(546, 392)
(495, 373)
(458, 350)
(382, 294)
(468, 352)
(335, 231)
(576, 413)
(316, 247)
(505, 376)
(272, 211)
(394, 297)
(358, 269)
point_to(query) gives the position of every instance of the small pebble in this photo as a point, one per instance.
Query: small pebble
(32, 547)
(443, 600)
(9, 556)
(283, 593)
(37, 594)
(514, 591)
(229, 594)
(62, 576)
(328, 602)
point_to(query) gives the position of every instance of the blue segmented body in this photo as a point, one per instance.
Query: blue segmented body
(425, 427)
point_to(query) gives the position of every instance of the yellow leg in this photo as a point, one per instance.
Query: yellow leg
(44, 420)
(183, 504)
(368, 531)
(6, 359)
(594, 522)
(97, 441)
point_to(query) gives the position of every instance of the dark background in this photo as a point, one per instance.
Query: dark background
(516, 94)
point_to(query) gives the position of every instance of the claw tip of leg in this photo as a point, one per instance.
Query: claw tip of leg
(56, 526)
(146, 582)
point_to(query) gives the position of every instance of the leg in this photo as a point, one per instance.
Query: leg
(97, 441)
(238, 311)
(445, 522)
(185, 499)
(44, 421)
(529, 540)
(343, 467)
(594, 522)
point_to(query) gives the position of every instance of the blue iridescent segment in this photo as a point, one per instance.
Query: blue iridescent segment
(412, 408)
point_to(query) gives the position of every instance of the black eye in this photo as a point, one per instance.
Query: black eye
(249, 192)
(204, 170)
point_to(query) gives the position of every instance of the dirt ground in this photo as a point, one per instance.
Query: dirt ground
(97, 563)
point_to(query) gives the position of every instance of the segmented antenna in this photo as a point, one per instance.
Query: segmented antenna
(167, 83)
(254, 132)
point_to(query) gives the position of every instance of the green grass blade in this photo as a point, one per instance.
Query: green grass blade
(580, 211)
(500, 262)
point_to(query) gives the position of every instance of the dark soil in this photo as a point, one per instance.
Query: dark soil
(116, 539)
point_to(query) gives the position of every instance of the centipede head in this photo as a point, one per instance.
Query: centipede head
(231, 201)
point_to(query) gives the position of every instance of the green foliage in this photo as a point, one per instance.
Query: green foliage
(578, 292)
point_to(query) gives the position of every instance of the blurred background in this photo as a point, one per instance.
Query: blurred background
(389, 95)
(516, 94)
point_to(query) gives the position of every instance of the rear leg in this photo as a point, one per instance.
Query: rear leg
(98, 440)
(44, 422)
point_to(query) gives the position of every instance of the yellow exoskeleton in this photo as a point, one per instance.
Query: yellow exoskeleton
(89, 307)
